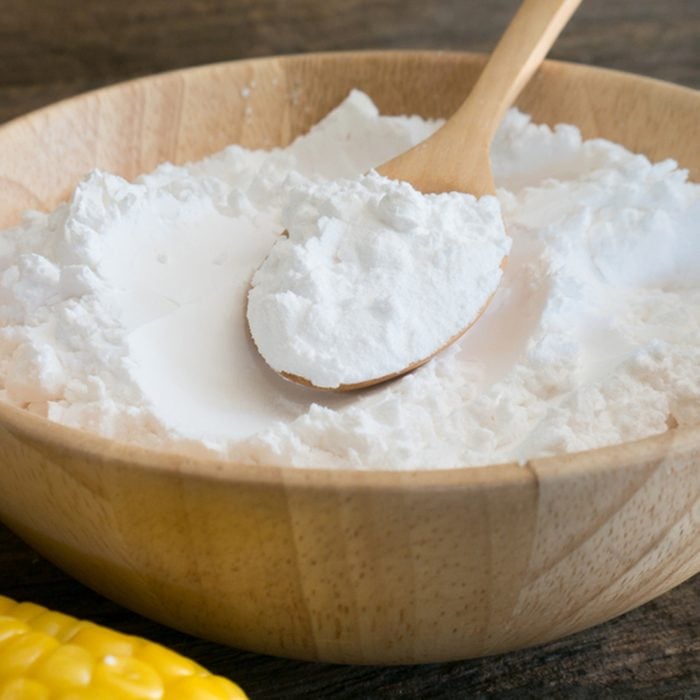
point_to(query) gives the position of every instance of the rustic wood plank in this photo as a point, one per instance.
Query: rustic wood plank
(53, 49)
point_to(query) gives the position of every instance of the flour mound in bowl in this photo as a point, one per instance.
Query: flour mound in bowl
(123, 311)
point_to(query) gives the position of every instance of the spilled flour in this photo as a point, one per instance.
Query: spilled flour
(123, 311)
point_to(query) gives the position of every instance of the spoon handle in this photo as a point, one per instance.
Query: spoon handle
(521, 49)
(456, 156)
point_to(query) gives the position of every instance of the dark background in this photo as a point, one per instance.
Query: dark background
(50, 49)
(53, 48)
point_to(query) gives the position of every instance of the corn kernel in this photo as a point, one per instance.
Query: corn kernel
(90, 694)
(203, 688)
(23, 689)
(68, 666)
(27, 611)
(56, 624)
(9, 627)
(20, 652)
(102, 641)
(167, 663)
(131, 677)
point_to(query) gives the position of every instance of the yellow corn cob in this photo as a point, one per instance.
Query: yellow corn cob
(45, 655)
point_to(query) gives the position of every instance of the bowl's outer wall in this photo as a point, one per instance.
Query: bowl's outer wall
(351, 567)
(493, 559)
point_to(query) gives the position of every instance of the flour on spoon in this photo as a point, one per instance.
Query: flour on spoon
(372, 278)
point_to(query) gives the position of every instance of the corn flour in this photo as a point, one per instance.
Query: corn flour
(123, 311)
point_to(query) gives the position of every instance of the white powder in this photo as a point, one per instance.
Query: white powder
(122, 312)
(373, 277)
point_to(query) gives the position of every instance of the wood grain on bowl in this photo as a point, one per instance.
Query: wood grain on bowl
(364, 567)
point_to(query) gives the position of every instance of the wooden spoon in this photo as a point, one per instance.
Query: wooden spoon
(438, 163)
(456, 157)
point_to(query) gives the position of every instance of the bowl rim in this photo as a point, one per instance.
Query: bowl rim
(63, 439)
(424, 54)
(101, 449)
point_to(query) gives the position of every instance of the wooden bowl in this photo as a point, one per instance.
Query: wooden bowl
(346, 566)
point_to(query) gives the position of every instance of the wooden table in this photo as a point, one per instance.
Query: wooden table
(52, 49)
